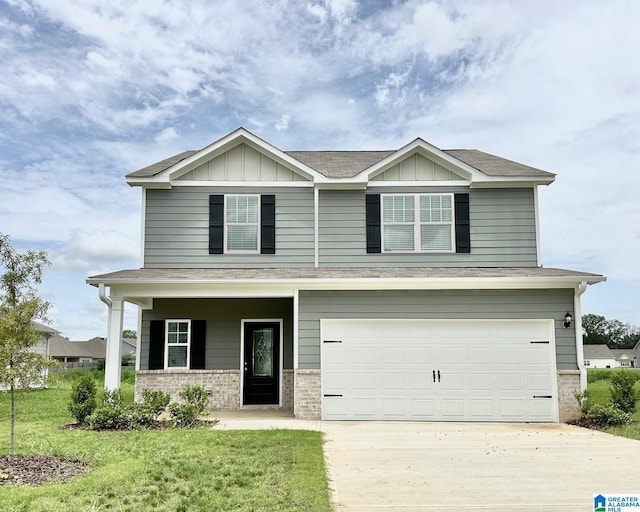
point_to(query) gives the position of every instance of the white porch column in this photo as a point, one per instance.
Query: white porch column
(113, 359)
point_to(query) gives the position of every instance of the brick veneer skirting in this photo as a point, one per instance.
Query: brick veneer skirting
(307, 402)
(224, 385)
(568, 385)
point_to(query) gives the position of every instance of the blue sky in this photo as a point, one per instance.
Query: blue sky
(91, 90)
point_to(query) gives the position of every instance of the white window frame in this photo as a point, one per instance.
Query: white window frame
(417, 223)
(226, 225)
(167, 344)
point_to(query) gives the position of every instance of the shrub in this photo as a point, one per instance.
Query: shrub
(111, 415)
(194, 402)
(607, 415)
(623, 394)
(83, 398)
(144, 414)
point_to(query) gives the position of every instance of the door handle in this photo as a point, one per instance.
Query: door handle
(434, 375)
(438, 375)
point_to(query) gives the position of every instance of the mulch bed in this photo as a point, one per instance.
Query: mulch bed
(39, 469)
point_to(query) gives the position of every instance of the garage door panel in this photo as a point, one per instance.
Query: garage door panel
(489, 370)
(453, 408)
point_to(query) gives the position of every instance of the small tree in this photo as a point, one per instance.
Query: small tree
(19, 304)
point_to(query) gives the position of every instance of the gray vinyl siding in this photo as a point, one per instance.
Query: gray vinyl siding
(177, 229)
(223, 317)
(503, 231)
(450, 304)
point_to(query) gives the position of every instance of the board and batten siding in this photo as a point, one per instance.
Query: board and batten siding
(503, 230)
(223, 317)
(177, 229)
(434, 304)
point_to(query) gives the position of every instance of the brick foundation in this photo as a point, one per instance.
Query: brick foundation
(224, 385)
(307, 403)
(568, 385)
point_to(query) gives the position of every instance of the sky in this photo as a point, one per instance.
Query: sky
(92, 90)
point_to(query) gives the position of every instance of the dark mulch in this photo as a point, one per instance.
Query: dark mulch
(39, 469)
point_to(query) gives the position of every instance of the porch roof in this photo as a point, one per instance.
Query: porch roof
(177, 275)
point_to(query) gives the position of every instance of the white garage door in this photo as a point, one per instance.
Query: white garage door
(438, 370)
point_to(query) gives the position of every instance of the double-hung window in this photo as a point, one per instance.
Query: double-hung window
(178, 336)
(242, 223)
(418, 223)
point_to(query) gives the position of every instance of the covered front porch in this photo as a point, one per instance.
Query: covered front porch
(239, 348)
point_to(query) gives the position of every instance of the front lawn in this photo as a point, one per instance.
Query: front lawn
(598, 389)
(177, 470)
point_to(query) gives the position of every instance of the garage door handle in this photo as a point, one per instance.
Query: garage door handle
(542, 396)
(434, 375)
(438, 375)
(333, 396)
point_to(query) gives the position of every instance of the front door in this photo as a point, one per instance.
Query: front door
(261, 363)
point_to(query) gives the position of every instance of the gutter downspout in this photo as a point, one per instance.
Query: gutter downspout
(103, 296)
(577, 311)
(107, 301)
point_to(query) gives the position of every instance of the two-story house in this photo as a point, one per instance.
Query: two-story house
(389, 285)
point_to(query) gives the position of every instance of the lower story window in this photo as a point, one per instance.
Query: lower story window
(178, 336)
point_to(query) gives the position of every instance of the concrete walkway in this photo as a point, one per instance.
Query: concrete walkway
(399, 466)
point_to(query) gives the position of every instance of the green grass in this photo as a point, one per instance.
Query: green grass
(598, 389)
(176, 470)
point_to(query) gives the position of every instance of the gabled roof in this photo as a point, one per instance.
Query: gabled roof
(598, 352)
(623, 353)
(43, 329)
(341, 165)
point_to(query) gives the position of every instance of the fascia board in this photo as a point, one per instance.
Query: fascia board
(139, 288)
(511, 182)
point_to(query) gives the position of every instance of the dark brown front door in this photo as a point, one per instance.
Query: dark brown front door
(261, 363)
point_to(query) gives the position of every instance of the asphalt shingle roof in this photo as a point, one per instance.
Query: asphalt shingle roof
(597, 352)
(347, 164)
(204, 274)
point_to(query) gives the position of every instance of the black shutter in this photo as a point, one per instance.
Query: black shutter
(198, 344)
(373, 223)
(156, 345)
(216, 224)
(463, 231)
(267, 224)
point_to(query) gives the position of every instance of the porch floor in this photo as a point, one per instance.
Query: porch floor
(251, 413)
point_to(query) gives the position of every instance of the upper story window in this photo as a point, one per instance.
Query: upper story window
(178, 336)
(242, 221)
(418, 223)
(242, 224)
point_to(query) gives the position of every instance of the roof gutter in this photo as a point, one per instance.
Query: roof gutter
(577, 312)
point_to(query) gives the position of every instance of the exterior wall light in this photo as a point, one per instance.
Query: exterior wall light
(567, 320)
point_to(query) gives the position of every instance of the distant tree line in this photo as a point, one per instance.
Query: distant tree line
(613, 333)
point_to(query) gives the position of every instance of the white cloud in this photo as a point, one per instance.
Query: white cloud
(93, 90)
(283, 124)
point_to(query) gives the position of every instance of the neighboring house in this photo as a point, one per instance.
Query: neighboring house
(41, 347)
(349, 285)
(599, 356)
(625, 357)
(89, 351)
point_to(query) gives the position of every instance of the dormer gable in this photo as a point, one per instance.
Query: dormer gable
(236, 158)
(243, 163)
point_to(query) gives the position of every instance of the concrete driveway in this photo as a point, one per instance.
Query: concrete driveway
(469, 466)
